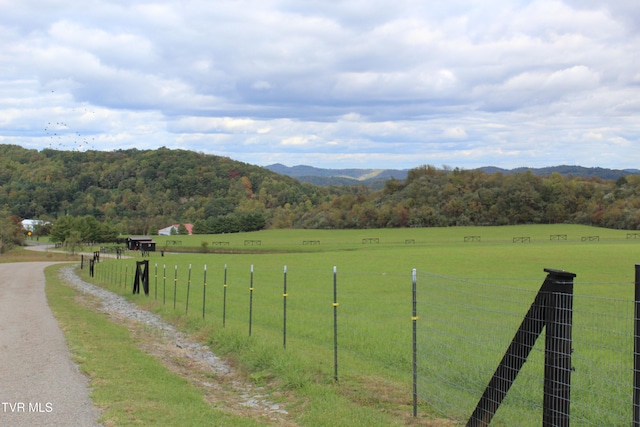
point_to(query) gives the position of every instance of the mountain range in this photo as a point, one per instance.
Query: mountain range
(376, 178)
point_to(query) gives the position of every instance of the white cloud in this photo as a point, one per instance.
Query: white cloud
(394, 83)
(299, 140)
(455, 133)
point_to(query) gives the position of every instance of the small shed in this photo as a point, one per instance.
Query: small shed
(142, 243)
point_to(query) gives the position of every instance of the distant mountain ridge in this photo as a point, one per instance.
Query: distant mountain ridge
(576, 171)
(376, 177)
(323, 177)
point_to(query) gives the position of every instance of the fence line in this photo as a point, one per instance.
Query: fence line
(602, 342)
(461, 328)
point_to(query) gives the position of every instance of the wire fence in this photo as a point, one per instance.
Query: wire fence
(466, 327)
(355, 324)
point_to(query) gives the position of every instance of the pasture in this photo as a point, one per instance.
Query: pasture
(474, 286)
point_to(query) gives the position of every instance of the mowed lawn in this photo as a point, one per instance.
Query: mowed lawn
(487, 274)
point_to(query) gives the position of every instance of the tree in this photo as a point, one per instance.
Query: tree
(61, 229)
(251, 221)
(42, 228)
(11, 232)
(200, 227)
(88, 228)
(73, 241)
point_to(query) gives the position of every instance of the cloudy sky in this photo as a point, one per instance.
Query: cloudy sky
(328, 83)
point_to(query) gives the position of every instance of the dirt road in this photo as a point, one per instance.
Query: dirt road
(39, 383)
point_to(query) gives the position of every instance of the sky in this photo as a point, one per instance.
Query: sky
(382, 84)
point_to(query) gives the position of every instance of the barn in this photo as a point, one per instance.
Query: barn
(141, 243)
(173, 229)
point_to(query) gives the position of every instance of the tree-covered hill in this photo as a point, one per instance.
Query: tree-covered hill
(141, 191)
(144, 190)
(430, 197)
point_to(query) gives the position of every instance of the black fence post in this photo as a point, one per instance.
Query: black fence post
(136, 280)
(142, 274)
(145, 277)
(636, 351)
(552, 308)
(558, 349)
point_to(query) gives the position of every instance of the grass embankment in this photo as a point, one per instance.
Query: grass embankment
(128, 385)
(19, 254)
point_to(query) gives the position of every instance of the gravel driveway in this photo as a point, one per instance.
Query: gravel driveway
(39, 383)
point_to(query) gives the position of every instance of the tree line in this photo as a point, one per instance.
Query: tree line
(431, 197)
(142, 191)
(138, 192)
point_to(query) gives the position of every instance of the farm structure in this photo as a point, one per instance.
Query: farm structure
(141, 243)
(173, 229)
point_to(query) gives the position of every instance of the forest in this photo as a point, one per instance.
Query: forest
(140, 191)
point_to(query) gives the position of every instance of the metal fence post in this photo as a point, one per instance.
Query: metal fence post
(335, 323)
(251, 301)
(552, 309)
(175, 286)
(204, 291)
(224, 298)
(186, 311)
(636, 350)
(284, 307)
(414, 319)
(558, 349)
(156, 281)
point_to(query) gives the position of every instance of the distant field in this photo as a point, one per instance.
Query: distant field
(592, 253)
(374, 294)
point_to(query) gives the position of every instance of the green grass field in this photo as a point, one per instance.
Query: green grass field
(475, 284)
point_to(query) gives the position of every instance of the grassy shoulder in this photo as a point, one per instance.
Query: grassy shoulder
(20, 254)
(129, 386)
